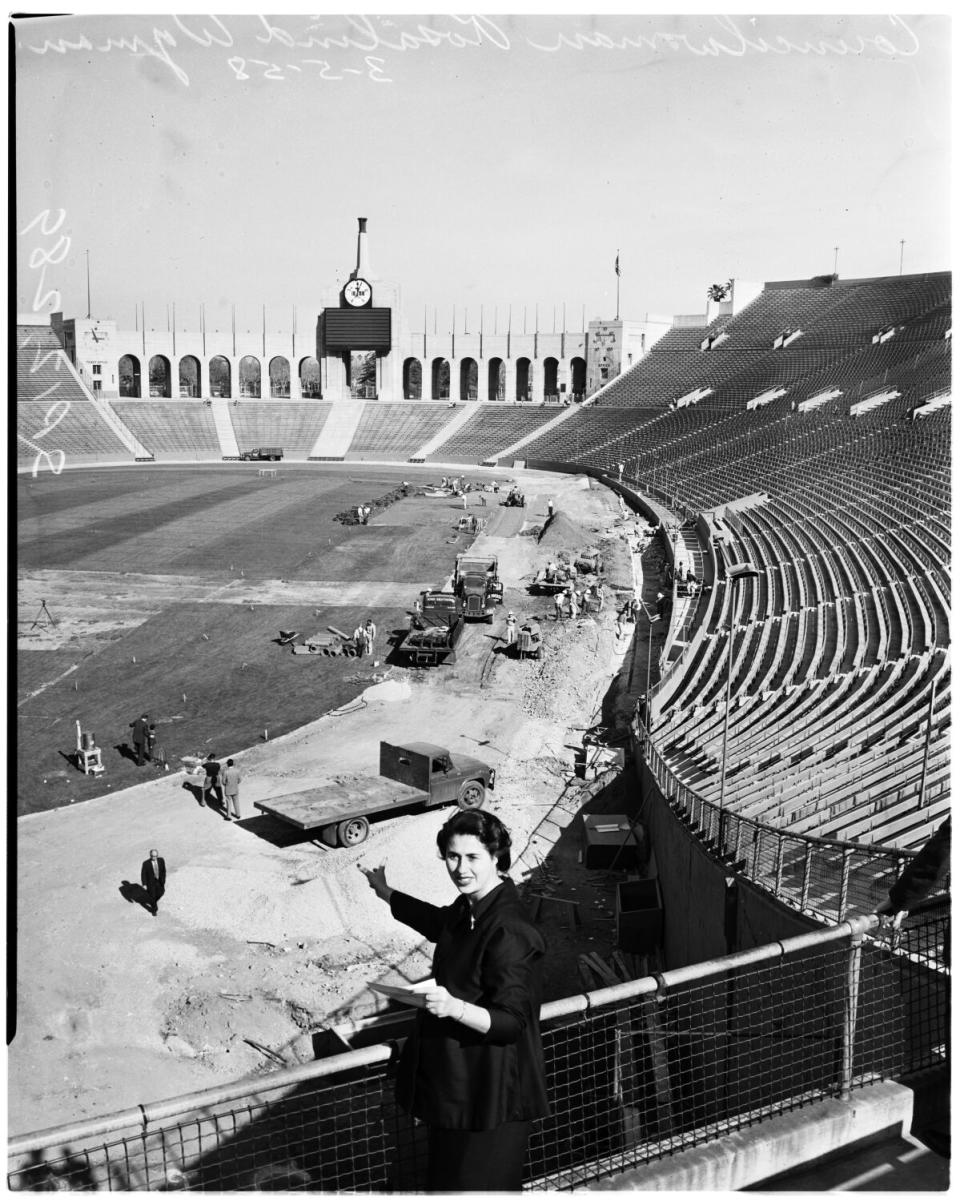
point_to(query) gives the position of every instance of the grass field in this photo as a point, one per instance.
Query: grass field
(170, 583)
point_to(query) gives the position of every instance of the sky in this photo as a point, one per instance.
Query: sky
(502, 161)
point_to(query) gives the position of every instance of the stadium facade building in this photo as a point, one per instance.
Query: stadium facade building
(361, 347)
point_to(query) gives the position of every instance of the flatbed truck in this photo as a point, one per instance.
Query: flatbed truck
(411, 773)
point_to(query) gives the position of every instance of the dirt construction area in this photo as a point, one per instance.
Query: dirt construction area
(266, 937)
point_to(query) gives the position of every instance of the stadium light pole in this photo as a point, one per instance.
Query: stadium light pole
(735, 573)
(646, 693)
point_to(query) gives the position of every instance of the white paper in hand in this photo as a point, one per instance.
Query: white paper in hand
(408, 994)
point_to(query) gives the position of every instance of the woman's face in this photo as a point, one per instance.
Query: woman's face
(471, 866)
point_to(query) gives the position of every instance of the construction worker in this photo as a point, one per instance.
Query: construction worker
(369, 634)
(558, 606)
(510, 633)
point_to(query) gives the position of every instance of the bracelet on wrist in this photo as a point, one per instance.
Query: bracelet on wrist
(463, 1010)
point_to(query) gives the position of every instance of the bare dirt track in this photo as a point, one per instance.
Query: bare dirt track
(266, 936)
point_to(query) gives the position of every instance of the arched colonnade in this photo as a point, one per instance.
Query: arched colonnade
(513, 379)
(521, 379)
(245, 376)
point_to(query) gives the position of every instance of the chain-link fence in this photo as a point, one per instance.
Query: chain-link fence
(635, 1073)
(823, 877)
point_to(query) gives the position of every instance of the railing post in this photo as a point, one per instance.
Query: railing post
(778, 869)
(738, 840)
(805, 886)
(850, 1002)
(756, 853)
(844, 883)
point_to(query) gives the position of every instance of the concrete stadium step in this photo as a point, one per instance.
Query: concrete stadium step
(334, 439)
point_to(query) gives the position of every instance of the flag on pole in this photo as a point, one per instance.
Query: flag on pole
(616, 265)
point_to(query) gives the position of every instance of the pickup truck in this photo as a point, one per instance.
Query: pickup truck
(476, 581)
(410, 773)
(259, 454)
(435, 629)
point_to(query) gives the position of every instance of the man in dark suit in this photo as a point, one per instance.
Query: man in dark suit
(140, 728)
(153, 877)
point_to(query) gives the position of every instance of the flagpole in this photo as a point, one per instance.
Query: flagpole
(618, 284)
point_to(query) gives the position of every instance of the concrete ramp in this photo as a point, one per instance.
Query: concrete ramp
(334, 439)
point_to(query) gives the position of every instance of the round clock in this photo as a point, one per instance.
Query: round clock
(357, 293)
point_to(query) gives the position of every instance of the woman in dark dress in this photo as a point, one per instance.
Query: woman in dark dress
(473, 1069)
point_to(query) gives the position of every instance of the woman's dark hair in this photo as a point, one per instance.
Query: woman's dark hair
(489, 829)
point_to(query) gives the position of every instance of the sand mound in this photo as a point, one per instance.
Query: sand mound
(389, 690)
(563, 533)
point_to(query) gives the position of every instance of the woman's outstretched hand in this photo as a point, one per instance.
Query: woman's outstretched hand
(377, 879)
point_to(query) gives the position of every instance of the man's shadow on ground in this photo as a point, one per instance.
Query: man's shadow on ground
(126, 751)
(136, 894)
(196, 791)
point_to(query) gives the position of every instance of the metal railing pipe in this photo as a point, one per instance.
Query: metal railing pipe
(850, 1001)
(315, 1070)
(844, 884)
(773, 950)
(205, 1098)
(111, 1123)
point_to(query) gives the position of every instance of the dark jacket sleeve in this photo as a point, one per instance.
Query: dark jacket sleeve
(508, 983)
(923, 872)
(426, 919)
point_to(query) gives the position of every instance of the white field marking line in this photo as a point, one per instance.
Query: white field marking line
(48, 684)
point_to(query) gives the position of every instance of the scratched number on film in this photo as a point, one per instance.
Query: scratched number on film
(49, 252)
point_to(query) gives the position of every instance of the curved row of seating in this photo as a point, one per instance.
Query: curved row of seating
(839, 673)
